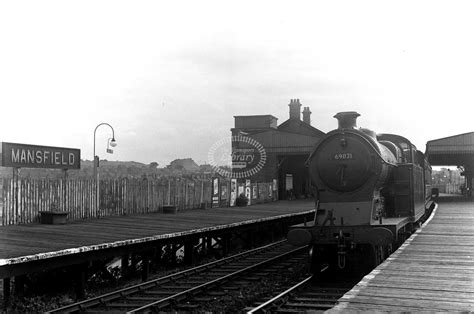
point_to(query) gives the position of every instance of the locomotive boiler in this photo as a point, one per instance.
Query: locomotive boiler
(371, 190)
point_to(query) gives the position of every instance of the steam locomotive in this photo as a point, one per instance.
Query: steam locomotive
(371, 190)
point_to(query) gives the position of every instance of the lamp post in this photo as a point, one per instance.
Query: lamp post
(113, 143)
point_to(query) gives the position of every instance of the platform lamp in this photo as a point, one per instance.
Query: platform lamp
(111, 142)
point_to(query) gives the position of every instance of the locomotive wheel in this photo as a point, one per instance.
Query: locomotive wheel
(382, 252)
(379, 254)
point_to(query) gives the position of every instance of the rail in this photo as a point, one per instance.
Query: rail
(264, 306)
(144, 296)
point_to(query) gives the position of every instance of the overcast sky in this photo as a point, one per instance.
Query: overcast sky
(170, 75)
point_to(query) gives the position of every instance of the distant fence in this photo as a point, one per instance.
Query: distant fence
(23, 203)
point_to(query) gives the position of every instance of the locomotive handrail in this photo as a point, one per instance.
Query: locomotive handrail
(375, 149)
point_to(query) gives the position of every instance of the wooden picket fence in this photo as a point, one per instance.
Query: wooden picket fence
(22, 204)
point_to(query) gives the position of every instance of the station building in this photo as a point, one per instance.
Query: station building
(456, 150)
(286, 147)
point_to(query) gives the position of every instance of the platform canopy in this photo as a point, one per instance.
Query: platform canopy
(456, 150)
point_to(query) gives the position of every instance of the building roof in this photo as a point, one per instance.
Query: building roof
(451, 150)
(299, 127)
(276, 141)
(256, 115)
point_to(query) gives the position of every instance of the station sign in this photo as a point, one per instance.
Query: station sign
(36, 156)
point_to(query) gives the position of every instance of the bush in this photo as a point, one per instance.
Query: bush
(242, 200)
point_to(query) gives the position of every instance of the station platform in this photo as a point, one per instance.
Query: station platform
(433, 271)
(28, 248)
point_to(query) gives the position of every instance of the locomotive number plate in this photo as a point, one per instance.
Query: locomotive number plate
(343, 156)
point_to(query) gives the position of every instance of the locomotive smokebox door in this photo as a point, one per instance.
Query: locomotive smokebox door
(341, 162)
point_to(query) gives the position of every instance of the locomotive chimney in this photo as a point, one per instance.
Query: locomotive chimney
(347, 119)
(306, 115)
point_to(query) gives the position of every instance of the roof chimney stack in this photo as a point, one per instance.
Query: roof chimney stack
(295, 109)
(306, 115)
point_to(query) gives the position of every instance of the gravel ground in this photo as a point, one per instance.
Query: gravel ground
(61, 293)
(234, 300)
(237, 300)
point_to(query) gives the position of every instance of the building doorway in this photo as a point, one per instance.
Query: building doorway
(293, 177)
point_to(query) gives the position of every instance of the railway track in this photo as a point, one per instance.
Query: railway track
(185, 290)
(308, 295)
(313, 295)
